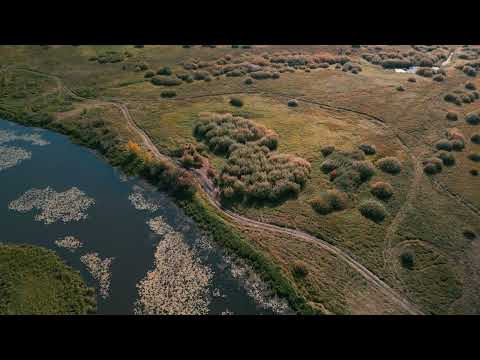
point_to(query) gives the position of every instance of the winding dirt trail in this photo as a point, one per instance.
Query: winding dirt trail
(212, 196)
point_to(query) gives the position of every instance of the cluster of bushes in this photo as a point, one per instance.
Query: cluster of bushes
(109, 57)
(395, 59)
(330, 201)
(390, 165)
(368, 149)
(253, 171)
(458, 97)
(447, 158)
(168, 94)
(474, 156)
(352, 67)
(189, 156)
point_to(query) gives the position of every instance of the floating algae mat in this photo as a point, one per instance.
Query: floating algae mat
(130, 242)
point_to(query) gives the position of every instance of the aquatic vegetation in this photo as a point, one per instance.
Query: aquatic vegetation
(140, 203)
(159, 226)
(55, 206)
(255, 287)
(34, 139)
(178, 285)
(100, 270)
(10, 156)
(69, 242)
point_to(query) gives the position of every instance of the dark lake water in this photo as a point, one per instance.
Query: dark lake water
(113, 227)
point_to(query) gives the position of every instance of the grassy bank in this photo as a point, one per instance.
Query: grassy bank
(35, 281)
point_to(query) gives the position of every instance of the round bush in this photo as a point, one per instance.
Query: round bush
(149, 74)
(330, 201)
(444, 144)
(299, 270)
(389, 165)
(470, 86)
(236, 102)
(452, 99)
(474, 157)
(472, 119)
(381, 190)
(292, 103)
(368, 149)
(452, 116)
(407, 259)
(327, 150)
(365, 169)
(439, 78)
(328, 166)
(433, 166)
(447, 158)
(373, 210)
(470, 71)
(412, 79)
(475, 138)
(400, 88)
(474, 172)
(469, 234)
(458, 144)
(248, 81)
(164, 71)
(168, 94)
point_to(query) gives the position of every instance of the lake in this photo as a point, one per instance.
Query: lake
(113, 226)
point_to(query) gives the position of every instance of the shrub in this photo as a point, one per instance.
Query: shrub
(248, 81)
(292, 103)
(149, 74)
(381, 190)
(452, 99)
(165, 81)
(474, 157)
(458, 144)
(389, 165)
(474, 172)
(444, 144)
(373, 210)
(368, 149)
(439, 78)
(475, 138)
(365, 169)
(261, 75)
(425, 72)
(432, 166)
(168, 94)
(447, 158)
(327, 150)
(328, 166)
(407, 259)
(412, 79)
(472, 119)
(400, 88)
(470, 71)
(452, 116)
(299, 270)
(234, 101)
(470, 86)
(469, 234)
(330, 201)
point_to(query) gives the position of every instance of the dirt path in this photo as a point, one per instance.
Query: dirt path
(212, 196)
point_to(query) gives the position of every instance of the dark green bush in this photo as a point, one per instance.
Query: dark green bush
(439, 78)
(248, 81)
(299, 270)
(474, 172)
(165, 81)
(474, 157)
(470, 86)
(328, 166)
(164, 71)
(330, 201)
(458, 144)
(292, 103)
(168, 94)
(444, 144)
(389, 165)
(447, 158)
(432, 166)
(452, 116)
(368, 149)
(472, 119)
(400, 88)
(234, 101)
(149, 74)
(364, 168)
(475, 138)
(373, 210)
(452, 99)
(407, 259)
(381, 190)
(327, 150)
